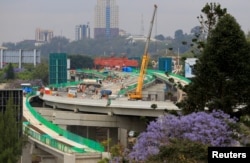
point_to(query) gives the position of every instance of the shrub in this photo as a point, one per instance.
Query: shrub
(214, 129)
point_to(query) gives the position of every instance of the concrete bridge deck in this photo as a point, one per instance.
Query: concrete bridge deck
(117, 107)
(66, 156)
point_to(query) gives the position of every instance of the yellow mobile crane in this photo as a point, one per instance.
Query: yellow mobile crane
(137, 95)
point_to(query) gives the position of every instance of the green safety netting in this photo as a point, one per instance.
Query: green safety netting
(46, 139)
(162, 73)
(151, 74)
(149, 79)
(62, 132)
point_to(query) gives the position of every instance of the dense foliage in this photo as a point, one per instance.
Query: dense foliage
(222, 72)
(10, 74)
(212, 13)
(181, 151)
(11, 142)
(119, 46)
(80, 61)
(29, 72)
(214, 129)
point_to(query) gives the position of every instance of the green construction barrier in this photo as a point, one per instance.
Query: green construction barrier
(46, 139)
(71, 136)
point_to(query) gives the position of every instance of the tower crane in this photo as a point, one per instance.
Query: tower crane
(137, 95)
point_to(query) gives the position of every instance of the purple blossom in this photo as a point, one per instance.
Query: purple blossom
(208, 128)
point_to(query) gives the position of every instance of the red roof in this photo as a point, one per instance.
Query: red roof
(115, 61)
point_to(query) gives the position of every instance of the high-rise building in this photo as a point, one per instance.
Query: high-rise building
(106, 19)
(81, 32)
(43, 35)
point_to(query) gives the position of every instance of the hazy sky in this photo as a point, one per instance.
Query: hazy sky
(20, 18)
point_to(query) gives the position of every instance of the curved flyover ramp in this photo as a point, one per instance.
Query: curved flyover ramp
(57, 140)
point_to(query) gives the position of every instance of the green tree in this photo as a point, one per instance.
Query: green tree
(56, 45)
(181, 151)
(213, 12)
(26, 74)
(25, 45)
(41, 72)
(11, 140)
(248, 36)
(10, 74)
(222, 72)
(81, 61)
(9, 45)
(160, 37)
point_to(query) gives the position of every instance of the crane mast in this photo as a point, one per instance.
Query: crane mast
(137, 95)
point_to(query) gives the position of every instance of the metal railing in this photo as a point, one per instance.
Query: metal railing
(46, 139)
(62, 132)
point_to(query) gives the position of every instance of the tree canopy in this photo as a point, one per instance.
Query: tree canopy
(10, 74)
(80, 61)
(11, 143)
(222, 72)
(213, 12)
(196, 128)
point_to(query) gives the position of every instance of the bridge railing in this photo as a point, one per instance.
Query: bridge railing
(46, 139)
(170, 74)
(149, 79)
(71, 136)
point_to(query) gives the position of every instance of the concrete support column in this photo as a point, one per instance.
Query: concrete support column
(34, 57)
(69, 158)
(27, 153)
(123, 137)
(1, 59)
(20, 59)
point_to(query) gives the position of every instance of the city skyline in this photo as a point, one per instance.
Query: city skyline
(19, 19)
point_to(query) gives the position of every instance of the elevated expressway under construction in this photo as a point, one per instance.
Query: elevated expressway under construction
(63, 128)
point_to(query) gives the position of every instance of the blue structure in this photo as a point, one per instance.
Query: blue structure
(26, 87)
(165, 64)
(82, 32)
(108, 19)
(127, 69)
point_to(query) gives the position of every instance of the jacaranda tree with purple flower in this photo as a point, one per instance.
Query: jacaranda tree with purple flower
(213, 129)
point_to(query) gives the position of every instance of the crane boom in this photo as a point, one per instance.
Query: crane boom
(137, 95)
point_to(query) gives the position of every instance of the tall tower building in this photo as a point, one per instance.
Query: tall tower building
(81, 32)
(106, 19)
